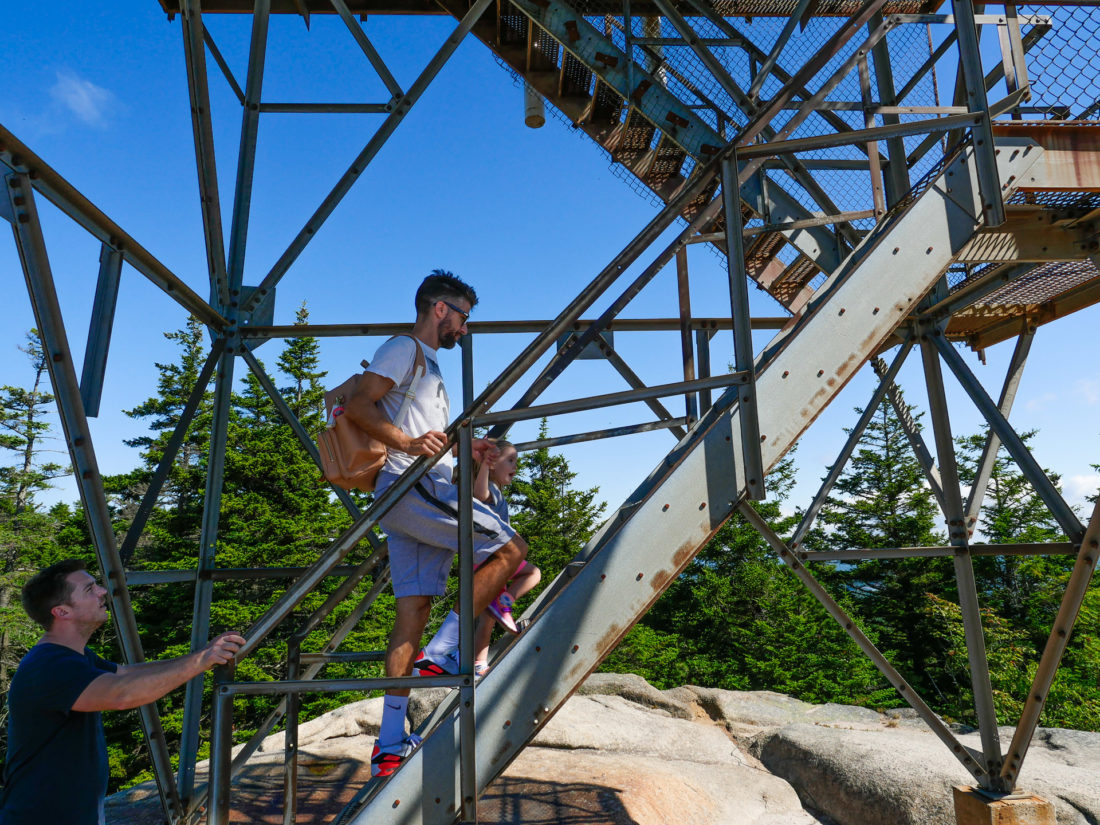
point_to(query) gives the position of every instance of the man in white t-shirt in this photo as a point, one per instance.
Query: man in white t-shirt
(422, 528)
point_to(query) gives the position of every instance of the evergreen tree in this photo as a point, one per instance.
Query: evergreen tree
(882, 500)
(738, 619)
(555, 519)
(28, 535)
(1022, 595)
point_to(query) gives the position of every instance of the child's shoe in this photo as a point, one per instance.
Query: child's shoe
(501, 608)
(385, 760)
(480, 669)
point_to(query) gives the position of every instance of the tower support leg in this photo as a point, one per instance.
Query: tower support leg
(973, 807)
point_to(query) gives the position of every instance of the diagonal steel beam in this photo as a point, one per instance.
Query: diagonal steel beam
(368, 48)
(204, 584)
(1076, 588)
(998, 424)
(359, 165)
(199, 93)
(913, 434)
(649, 97)
(808, 107)
(714, 65)
(208, 39)
(886, 379)
(766, 67)
(806, 73)
(246, 153)
(18, 157)
(623, 368)
(758, 54)
(965, 755)
(168, 456)
(304, 437)
(78, 437)
(992, 442)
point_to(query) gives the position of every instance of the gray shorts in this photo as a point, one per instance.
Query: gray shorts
(422, 530)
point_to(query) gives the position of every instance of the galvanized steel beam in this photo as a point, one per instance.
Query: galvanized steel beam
(42, 291)
(964, 571)
(998, 424)
(992, 445)
(359, 165)
(202, 128)
(99, 329)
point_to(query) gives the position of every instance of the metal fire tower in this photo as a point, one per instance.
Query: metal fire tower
(806, 142)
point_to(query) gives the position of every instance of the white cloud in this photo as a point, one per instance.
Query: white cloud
(1088, 389)
(1041, 402)
(86, 100)
(1079, 487)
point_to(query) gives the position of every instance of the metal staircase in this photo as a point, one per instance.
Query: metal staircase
(997, 237)
(698, 486)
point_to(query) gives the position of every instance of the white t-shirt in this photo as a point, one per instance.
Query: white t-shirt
(429, 410)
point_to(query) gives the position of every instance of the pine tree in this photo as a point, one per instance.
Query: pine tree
(555, 519)
(882, 500)
(26, 533)
(737, 619)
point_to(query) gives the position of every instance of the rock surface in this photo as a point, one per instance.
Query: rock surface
(621, 752)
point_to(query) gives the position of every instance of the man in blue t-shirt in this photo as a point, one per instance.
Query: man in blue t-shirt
(56, 768)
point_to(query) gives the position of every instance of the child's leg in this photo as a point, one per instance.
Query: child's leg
(525, 580)
(483, 632)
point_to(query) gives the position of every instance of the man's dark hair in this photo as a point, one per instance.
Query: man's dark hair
(442, 285)
(48, 588)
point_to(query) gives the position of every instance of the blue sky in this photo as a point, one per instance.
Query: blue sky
(527, 216)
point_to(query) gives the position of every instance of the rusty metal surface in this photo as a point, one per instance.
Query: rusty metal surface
(1071, 160)
(1042, 284)
(1044, 294)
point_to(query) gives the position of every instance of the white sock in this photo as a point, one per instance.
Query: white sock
(444, 641)
(393, 720)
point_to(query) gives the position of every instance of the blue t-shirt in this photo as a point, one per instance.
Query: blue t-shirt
(56, 768)
(498, 504)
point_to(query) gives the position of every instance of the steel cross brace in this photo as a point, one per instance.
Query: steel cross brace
(31, 244)
(992, 442)
(964, 572)
(688, 497)
(399, 109)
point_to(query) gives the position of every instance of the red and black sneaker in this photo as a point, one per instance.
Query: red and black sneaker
(423, 666)
(385, 760)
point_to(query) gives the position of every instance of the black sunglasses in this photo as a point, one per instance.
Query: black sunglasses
(465, 315)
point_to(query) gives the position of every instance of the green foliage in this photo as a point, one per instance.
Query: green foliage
(555, 519)
(736, 618)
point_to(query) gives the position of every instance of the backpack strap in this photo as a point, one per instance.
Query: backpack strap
(420, 366)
